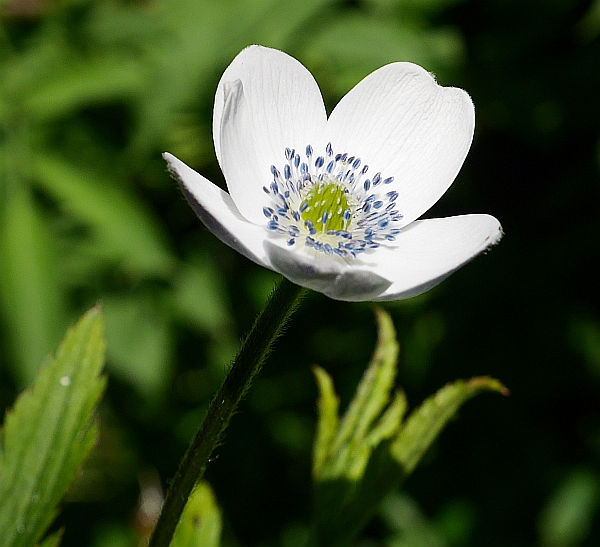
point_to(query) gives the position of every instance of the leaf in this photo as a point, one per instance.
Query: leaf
(53, 540)
(140, 343)
(425, 423)
(328, 421)
(359, 461)
(30, 296)
(373, 391)
(345, 452)
(199, 296)
(568, 516)
(200, 524)
(119, 224)
(49, 432)
(81, 82)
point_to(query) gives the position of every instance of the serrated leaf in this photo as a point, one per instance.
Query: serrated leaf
(49, 432)
(200, 524)
(373, 392)
(348, 449)
(372, 451)
(425, 423)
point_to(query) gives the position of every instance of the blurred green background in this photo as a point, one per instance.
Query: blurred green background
(91, 93)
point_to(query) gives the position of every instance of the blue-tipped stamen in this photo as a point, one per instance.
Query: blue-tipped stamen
(330, 205)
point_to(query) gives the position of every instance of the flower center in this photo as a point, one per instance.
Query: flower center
(326, 201)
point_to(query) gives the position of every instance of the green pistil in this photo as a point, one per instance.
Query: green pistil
(326, 197)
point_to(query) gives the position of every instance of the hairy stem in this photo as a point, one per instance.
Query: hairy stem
(257, 345)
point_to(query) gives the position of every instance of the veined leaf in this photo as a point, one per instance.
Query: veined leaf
(359, 461)
(49, 432)
(425, 423)
(342, 448)
(200, 524)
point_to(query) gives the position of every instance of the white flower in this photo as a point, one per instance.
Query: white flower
(332, 203)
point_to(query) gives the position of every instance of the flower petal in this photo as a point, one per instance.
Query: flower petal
(217, 211)
(428, 251)
(403, 124)
(266, 101)
(328, 275)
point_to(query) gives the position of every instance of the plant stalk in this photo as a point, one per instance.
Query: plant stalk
(257, 345)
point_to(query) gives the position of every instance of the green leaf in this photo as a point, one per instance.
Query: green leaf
(345, 452)
(568, 515)
(328, 421)
(49, 432)
(426, 422)
(119, 224)
(374, 389)
(53, 540)
(140, 343)
(359, 461)
(200, 524)
(30, 296)
(81, 82)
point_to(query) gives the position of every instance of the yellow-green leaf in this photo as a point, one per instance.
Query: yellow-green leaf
(200, 524)
(424, 424)
(328, 421)
(49, 432)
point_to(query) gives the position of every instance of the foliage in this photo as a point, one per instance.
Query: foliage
(92, 91)
(366, 456)
(49, 433)
(200, 524)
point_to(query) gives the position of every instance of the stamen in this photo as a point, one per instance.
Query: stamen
(333, 209)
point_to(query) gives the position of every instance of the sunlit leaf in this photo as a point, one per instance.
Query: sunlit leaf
(49, 432)
(328, 420)
(343, 449)
(424, 424)
(371, 451)
(200, 524)
(372, 394)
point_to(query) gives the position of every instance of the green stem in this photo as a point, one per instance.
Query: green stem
(257, 345)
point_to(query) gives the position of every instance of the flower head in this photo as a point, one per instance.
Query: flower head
(332, 203)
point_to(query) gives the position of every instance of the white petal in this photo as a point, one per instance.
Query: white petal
(217, 211)
(399, 121)
(266, 101)
(325, 274)
(428, 251)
